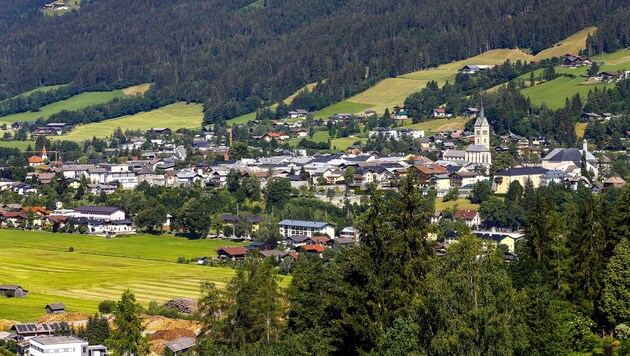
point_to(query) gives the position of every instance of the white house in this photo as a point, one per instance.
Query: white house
(99, 213)
(306, 228)
(63, 346)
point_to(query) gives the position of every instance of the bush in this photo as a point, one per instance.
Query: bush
(71, 249)
(9, 294)
(182, 260)
(83, 229)
(106, 306)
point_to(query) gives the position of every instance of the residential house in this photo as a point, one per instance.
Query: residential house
(502, 180)
(278, 136)
(572, 60)
(474, 68)
(470, 217)
(232, 252)
(509, 239)
(570, 160)
(440, 112)
(307, 228)
(63, 346)
(349, 232)
(180, 345)
(229, 220)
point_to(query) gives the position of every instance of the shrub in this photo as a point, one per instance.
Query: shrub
(9, 294)
(71, 249)
(83, 229)
(106, 306)
(182, 260)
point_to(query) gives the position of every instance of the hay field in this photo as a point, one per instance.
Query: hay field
(174, 116)
(99, 269)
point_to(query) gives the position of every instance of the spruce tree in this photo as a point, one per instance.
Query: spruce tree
(615, 297)
(126, 338)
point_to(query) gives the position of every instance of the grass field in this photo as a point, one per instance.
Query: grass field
(393, 91)
(462, 203)
(76, 102)
(440, 124)
(99, 269)
(580, 128)
(342, 143)
(40, 89)
(21, 145)
(173, 116)
(137, 89)
(572, 44)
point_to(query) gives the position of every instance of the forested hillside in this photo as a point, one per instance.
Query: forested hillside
(235, 61)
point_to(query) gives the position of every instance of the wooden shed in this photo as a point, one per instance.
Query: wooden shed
(16, 291)
(55, 308)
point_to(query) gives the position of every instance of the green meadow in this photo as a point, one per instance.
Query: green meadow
(174, 116)
(100, 269)
(76, 102)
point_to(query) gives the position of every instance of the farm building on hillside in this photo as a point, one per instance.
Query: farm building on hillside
(55, 308)
(11, 290)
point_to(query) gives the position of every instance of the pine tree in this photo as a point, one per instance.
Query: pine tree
(615, 298)
(586, 243)
(126, 338)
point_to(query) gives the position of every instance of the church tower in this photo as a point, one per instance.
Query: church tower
(44, 153)
(482, 129)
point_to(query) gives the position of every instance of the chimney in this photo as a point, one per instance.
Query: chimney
(584, 146)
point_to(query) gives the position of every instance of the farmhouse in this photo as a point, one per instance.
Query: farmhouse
(474, 68)
(13, 290)
(55, 308)
(307, 228)
(572, 60)
(441, 112)
(232, 252)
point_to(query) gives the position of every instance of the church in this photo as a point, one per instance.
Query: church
(479, 152)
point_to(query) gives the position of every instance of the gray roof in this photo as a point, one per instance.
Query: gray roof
(57, 340)
(567, 154)
(8, 287)
(181, 344)
(56, 306)
(97, 209)
(477, 148)
(307, 224)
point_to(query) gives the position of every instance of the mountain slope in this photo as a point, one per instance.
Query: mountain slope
(234, 62)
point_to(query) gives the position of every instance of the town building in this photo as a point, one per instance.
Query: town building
(306, 228)
(63, 346)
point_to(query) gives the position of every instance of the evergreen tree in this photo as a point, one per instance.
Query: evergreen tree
(126, 338)
(586, 243)
(615, 298)
(97, 330)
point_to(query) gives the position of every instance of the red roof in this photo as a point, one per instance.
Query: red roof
(36, 209)
(466, 214)
(320, 239)
(35, 159)
(13, 214)
(430, 169)
(233, 250)
(314, 248)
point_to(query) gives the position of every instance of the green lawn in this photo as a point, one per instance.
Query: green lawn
(462, 203)
(22, 145)
(173, 116)
(99, 269)
(343, 143)
(76, 102)
(555, 92)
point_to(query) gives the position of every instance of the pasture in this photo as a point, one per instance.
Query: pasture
(137, 89)
(40, 89)
(572, 44)
(99, 269)
(457, 123)
(76, 102)
(174, 116)
(580, 129)
(20, 145)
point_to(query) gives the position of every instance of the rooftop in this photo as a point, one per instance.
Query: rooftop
(57, 340)
(306, 224)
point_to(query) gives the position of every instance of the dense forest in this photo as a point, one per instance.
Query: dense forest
(235, 61)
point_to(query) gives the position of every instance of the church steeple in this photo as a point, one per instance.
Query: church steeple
(44, 153)
(482, 129)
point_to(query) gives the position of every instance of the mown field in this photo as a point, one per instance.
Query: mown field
(174, 116)
(76, 102)
(21, 145)
(99, 269)
(457, 123)
(462, 203)
(572, 44)
(40, 89)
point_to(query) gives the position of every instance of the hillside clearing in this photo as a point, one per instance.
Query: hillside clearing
(84, 278)
(462, 203)
(137, 89)
(572, 44)
(38, 90)
(580, 129)
(174, 116)
(76, 102)
(20, 145)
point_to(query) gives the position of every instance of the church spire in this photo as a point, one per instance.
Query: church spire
(481, 117)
